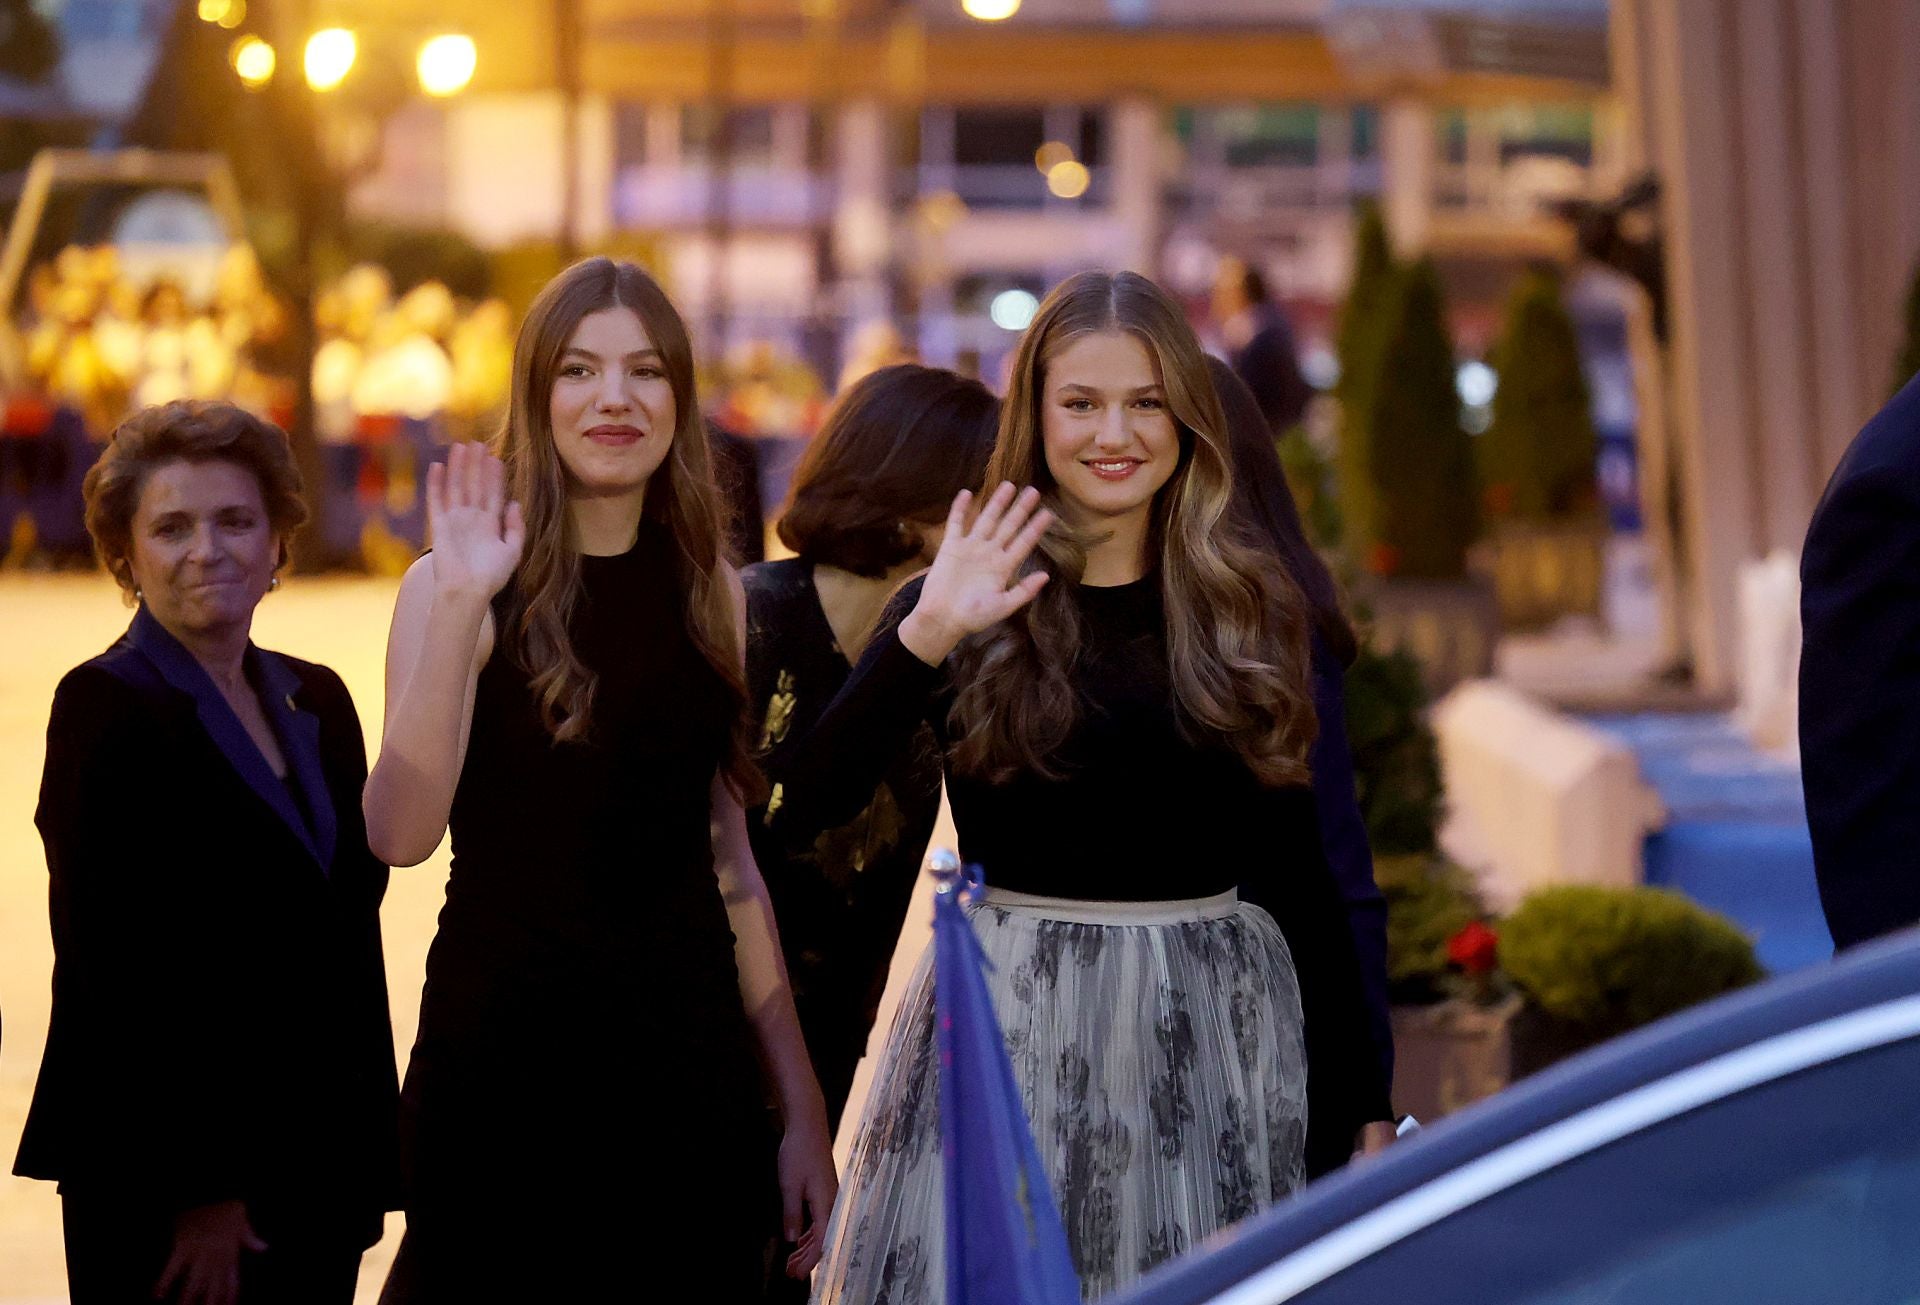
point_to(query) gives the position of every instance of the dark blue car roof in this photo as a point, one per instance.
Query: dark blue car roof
(1883, 972)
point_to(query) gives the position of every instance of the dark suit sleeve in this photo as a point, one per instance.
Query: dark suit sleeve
(1860, 697)
(149, 1096)
(1345, 1086)
(1343, 833)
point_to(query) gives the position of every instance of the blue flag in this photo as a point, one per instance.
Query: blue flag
(1005, 1242)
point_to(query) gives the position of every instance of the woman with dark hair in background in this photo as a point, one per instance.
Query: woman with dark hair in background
(868, 509)
(1264, 504)
(217, 1099)
(565, 691)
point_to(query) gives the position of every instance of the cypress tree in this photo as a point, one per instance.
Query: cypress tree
(1537, 457)
(1357, 344)
(1420, 458)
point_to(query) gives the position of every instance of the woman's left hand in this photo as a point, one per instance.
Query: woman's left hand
(807, 1189)
(1374, 1138)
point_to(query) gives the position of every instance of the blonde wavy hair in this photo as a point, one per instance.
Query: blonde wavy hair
(682, 496)
(1237, 625)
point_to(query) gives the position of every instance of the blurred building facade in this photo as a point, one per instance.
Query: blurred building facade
(880, 156)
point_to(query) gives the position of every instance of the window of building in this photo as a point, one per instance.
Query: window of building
(750, 135)
(1270, 135)
(1365, 119)
(997, 137)
(629, 136)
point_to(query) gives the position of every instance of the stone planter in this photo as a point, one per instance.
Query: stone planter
(1455, 1053)
(1542, 572)
(1450, 1055)
(1449, 626)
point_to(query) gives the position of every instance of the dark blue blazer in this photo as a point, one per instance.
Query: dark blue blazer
(1343, 838)
(1860, 679)
(220, 1026)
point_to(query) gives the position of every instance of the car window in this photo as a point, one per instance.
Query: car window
(1802, 1190)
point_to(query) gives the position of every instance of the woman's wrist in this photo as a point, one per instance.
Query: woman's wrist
(461, 597)
(927, 637)
(802, 1107)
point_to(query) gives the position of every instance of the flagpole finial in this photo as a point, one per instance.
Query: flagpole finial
(944, 865)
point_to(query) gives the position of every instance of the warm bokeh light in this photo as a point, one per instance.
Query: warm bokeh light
(990, 11)
(1069, 180)
(1051, 155)
(213, 11)
(330, 56)
(253, 59)
(446, 64)
(941, 210)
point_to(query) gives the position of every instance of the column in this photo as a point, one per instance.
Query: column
(1407, 150)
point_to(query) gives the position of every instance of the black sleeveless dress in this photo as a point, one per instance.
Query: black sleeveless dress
(584, 1109)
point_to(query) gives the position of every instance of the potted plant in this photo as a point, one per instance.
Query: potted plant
(1573, 966)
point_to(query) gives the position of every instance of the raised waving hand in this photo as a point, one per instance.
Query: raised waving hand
(972, 584)
(477, 532)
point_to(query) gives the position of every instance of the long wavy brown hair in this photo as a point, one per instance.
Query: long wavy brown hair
(1237, 626)
(682, 497)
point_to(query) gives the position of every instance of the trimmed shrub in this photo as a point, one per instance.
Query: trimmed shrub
(1311, 477)
(1420, 459)
(1396, 761)
(1537, 458)
(1357, 345)
(1611, 959)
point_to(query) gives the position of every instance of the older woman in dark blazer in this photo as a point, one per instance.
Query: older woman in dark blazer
(217, 1100)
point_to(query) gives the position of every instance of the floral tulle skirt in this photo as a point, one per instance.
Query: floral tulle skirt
(1159, 1049)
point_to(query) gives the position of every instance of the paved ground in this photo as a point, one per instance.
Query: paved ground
(48, 624)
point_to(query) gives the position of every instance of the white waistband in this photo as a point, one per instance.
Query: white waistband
(1081, 911)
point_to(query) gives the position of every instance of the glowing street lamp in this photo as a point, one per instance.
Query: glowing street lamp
(253, 59)
(446, 64)
(330, 56)
(990, 11)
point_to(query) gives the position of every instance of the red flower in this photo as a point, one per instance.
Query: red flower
(1475, 949)
(1383, 559)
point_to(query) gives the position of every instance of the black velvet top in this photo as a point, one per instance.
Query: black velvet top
(1139, 812)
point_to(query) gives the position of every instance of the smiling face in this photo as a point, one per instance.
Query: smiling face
(202, 550)
(1110, 438)
(612, 407)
